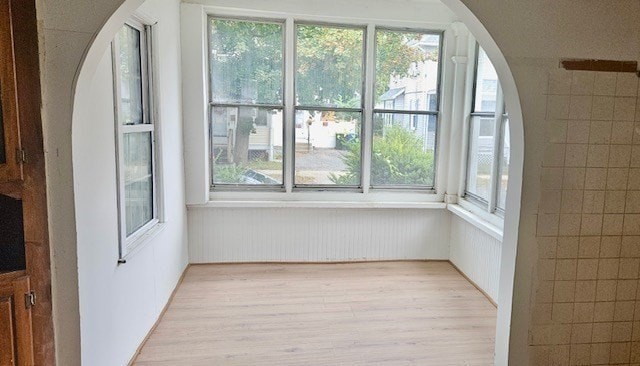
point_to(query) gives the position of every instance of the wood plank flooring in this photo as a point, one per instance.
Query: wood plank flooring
(382, 313)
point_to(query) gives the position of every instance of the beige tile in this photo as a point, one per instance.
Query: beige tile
(572, 201)
(564, 291)
(541, 314)
(566, 269)
(635, 156)
(630, 246)
(569, 225)
(612, 224)
(635, 353)
(633, 182)
(603, 108)
(561, 334)
(636, 127)
(582, 83)
(595, 178)
(619, 156)
(608, 268)
(567, 247)
(557, 131)
(593, 202)
(604, 311)
(539, 355)
(558, 106)
(605, 83)
(541, 334)
(563, 313)
(600, 132)
(561, 350)
(547, 224)
(597, 156)
(573, 178)
(631, 224)
(606, 290)
(551, 178)
(560, 82)
(627, 85)
(580, 354)
(591, 224)
(622, 133)
(589, 247)
(629, 268)
(546, 269)
(583, 313)
(621, 331)
(610, 246)
(600, 353)
(544, 291)
(620, 353)
(547, 247)
(550, 201)
(580, 107)
(614, 201)
(617, 178)
(578, 131)
(601, 332)
(624, 109)
(587, 269)
(585, 291)
(626, 290)
(633, 202)
(576, 155)
(624, 311)
(554, 155)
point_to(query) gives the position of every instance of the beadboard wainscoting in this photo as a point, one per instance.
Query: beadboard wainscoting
(476, 254)
(316, 234)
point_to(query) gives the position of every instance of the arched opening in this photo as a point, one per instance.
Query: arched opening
(102, 41)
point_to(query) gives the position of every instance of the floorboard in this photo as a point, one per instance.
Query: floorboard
(384, 313)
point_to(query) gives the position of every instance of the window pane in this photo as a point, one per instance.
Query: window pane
(130, 64)
(407, 71)
(327, 147)
(504, 165)
(246, 61)
(403, 149)
(246, 145)
(329, 64)
(138, 179)
(481, 136)
(486, 87)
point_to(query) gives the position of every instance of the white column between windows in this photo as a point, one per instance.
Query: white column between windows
(367, 129)
(497, 139)
(289, 122)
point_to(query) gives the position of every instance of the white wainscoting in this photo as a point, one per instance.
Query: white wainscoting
(316, 234)
(476, 254)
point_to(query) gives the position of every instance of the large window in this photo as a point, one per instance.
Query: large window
(488, 152)
(306, 124)
(135, 134)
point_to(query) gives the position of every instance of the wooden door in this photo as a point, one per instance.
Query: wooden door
(11, 156)
(16, 340)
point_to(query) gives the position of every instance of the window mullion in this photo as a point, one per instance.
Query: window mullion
(495, 166)
(367, 126)
(289, 101)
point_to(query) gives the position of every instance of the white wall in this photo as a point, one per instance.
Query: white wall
(316, 234)
(120, 303)
(476, 254)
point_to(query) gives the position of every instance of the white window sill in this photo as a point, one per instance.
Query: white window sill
(142, 241)
(317, 204)
(488, 227)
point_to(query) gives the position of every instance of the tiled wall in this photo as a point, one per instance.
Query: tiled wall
(586, 308)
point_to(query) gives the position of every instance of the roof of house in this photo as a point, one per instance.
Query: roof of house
(392, 94)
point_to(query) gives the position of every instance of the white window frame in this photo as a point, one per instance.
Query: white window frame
(486, 208)
(128, 243)
(323, 192)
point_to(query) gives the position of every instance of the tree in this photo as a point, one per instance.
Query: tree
(398, 159)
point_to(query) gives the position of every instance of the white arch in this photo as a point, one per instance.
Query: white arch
(106, 33)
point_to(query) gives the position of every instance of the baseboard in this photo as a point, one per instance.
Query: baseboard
(164, 310)
(322, 262)
(474, 284)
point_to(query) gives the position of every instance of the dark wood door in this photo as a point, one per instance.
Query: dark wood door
(16, 340)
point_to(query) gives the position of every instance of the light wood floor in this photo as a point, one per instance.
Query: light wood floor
(384, 313)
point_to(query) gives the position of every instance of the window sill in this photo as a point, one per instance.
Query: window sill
(317, 204)
(142, 241)
(489, 228)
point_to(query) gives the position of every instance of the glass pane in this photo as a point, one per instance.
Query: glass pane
(481, 136)
(129, 61)
(329, 64)
(504, 165)
(407, 70)
(246, 145)
(138, 179)
(246, 61)
(403, 149)
(327, 147)
(486, 87)
(3, 151)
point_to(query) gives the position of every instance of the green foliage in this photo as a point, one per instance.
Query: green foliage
(398, 159)
(229, 173)
(394, 56)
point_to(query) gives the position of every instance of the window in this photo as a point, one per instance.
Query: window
(326, 104)
(135, 134)
(488, 149)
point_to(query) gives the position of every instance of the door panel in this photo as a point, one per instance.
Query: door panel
(7, 336)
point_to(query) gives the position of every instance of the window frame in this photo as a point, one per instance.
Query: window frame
(499, 116)
(367, 108)
(128, 243)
